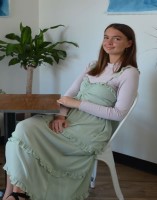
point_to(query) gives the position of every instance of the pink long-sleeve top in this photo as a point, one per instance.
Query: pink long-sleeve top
(125, 83)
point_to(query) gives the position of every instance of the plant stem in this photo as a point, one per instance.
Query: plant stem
(29, 79)
(30, 71)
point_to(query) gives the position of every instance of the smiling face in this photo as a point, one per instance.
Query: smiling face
(115, 43)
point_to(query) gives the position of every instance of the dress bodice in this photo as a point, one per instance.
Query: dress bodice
(99, 93)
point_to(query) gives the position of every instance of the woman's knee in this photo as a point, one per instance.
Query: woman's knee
(24, 127)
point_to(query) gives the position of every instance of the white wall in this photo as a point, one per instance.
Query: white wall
(13, 78)
(85, 21)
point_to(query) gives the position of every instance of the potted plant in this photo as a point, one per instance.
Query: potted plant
(30, 52)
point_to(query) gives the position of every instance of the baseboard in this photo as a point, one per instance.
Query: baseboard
(135, 162)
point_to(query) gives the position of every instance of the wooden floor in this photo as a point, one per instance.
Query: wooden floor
(135, 184)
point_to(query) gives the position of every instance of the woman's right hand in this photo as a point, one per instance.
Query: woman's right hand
(58, 124)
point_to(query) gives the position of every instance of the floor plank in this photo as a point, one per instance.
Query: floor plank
(135, 184)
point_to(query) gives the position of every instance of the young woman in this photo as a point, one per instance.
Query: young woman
(51, 157)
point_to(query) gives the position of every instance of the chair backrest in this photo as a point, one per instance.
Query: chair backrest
(122, 122)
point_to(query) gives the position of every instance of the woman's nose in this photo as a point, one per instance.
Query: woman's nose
(110, 41)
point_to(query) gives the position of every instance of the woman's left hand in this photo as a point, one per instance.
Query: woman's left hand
(69, 102)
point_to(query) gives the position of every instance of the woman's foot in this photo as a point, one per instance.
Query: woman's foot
(17, 196)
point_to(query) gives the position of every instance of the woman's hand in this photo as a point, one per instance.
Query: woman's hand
(69, 102)
(58, 124)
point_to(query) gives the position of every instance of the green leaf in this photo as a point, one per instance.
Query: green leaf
(12, 49)
(13, 36)
(2, 48)
(2, 57)
(73, 43)
(48, 60)
(65, 42)
(53, 27)
(62, 54)
(39, 39)
(2, 42)
(44, 44)
(26, 35)
(21, 27)
(14, 61)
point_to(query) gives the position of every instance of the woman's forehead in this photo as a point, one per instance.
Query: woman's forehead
(113, 32)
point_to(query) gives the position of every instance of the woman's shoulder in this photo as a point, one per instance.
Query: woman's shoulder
(130, 72)
(130, 69)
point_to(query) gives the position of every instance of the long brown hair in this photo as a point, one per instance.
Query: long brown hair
(128, 57)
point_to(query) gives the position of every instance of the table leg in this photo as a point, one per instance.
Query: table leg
(9, 127)
(9, 124)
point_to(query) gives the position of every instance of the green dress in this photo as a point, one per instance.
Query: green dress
(50, 166)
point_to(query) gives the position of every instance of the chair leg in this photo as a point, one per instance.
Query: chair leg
(93, 177)
(109, 160)
(116, 183)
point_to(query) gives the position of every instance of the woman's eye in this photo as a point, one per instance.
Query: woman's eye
(112, 39)
(116, 38)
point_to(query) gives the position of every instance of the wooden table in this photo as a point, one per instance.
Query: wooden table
(29, 103)
(10, 104)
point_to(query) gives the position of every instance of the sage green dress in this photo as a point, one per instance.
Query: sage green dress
(50, 166)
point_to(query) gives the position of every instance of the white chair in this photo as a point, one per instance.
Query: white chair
(107, 157)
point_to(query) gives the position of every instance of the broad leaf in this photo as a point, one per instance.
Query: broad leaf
(1, 57)
(13, 36)
(2, 42)
(39, 39)
(12, 49)
(14, 61)
(53, 27)
(26, 37)
(48, 60)
(65, 42)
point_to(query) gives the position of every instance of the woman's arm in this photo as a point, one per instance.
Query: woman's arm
(71, 92)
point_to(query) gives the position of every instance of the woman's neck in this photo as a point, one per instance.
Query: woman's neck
(114, 59)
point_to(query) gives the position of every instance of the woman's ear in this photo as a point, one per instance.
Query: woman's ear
(129, 43)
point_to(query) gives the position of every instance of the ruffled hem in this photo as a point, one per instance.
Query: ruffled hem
(81, 197)
(16, 182)
(51, 171)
